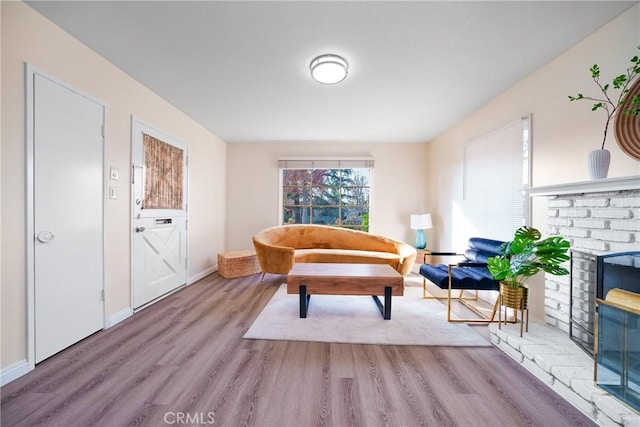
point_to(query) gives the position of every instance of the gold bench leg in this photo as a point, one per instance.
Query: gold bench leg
(465, 301)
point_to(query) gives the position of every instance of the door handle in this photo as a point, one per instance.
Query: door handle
(45, 236)
(139, 229)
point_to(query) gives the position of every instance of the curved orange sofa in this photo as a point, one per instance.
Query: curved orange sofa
(279, 248)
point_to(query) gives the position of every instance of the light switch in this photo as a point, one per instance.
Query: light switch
(113, 174)
(112, 193)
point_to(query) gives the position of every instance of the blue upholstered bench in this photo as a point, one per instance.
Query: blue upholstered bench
(469, 274)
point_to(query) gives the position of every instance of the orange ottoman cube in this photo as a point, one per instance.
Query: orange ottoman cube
(238, 264)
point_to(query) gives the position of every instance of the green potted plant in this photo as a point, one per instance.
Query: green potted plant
(613, 101)
(523, 257)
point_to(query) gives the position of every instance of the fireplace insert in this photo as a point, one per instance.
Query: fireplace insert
(592, 276)
(621, 270)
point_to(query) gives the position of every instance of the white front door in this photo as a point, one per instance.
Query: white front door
(159, 254)
(67, 216)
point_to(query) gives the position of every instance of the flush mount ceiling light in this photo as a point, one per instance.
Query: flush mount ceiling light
(329, 69)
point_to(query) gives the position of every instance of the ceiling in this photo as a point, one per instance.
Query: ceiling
(241, 69)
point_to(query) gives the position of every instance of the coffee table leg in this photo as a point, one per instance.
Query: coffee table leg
(304, 301)
(386, 310)
(387, 303)
(378, 304)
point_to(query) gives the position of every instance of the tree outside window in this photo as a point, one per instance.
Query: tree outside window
(338, 197)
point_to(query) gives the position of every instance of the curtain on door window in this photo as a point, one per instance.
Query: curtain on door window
(163, 174)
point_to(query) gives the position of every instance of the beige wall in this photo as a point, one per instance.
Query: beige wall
(252, 196)
(28, 37)
(1, 192)
(562, 133)
(408, 178)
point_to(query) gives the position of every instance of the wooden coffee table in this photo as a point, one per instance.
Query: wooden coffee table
(307, 279)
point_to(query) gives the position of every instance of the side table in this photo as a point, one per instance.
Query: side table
(423, 257)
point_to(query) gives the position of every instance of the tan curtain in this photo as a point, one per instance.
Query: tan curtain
(163, 174)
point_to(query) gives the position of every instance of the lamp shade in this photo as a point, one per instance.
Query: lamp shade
(421, 221)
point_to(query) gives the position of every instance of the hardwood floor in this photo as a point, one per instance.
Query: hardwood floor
(183, 361)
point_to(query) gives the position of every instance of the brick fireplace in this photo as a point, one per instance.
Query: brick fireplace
(596, 223)
(597, 217)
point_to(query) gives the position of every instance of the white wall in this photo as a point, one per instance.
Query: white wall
(252, 196)
(28, 37)
(562, 132)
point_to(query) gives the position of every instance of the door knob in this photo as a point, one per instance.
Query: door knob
(139, 229)
(45, 236)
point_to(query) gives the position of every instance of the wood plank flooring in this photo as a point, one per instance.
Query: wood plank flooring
(183, 361)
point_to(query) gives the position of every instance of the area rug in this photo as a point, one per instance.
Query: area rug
(356, 320)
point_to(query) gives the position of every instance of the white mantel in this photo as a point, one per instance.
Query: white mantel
(592, 186)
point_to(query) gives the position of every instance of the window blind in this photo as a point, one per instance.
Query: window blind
(326, 163)
(496, 171)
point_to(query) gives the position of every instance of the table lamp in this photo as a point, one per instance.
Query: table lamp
(421, 222)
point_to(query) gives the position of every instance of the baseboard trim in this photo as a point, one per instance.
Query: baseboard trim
(190, 280)
(13, 372)
(204, 273)
(119, 316)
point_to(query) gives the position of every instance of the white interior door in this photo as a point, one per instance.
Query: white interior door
(67, 216)
(159, 240)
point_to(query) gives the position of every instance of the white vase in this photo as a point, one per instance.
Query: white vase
(598, 162)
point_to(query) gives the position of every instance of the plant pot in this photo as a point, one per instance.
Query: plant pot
(598, 162)
(516, 298)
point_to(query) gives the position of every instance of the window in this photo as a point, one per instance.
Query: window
(496, 172)
(329, 192)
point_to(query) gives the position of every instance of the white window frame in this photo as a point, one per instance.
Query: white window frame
(323, 163)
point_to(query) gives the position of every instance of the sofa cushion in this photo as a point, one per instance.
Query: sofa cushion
(346, 256)
(485, 245)
(462, 277)
(301, 236)
(475, 255)
(480, 250)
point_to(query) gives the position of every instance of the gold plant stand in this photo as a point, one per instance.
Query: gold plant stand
(516, 299)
